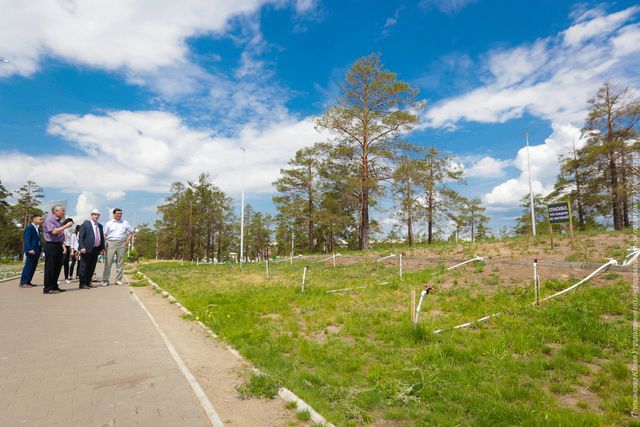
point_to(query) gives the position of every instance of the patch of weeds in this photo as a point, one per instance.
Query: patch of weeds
(479, 268)
(291, 405)
(612, 276)
(561, 388)
(140, 284)
(492, 280)
(554, 284)
(258, 386)
(304, 415)
(619, 371)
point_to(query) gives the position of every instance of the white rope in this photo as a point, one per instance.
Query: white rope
(331, 257)
(483, 319)
(477, 258)
(385, 257)
(602, 267)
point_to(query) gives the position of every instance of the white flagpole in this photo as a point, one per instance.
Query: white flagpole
(533, 216)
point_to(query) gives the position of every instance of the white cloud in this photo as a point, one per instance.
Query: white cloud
(148, 150)
(115, 195)
(129, 34)
(148, 44)
(305, 6)
(87, 201)
(550, 78)
(487, 167)
(544, 167)
(449, 7)
(596, 25)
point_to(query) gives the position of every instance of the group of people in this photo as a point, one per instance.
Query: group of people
(65, 244)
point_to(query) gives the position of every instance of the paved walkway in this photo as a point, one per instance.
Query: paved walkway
(86, 358)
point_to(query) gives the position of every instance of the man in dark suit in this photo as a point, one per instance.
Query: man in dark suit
(32, 250)
(90, 245)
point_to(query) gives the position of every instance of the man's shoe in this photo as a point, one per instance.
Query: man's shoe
(61, 290)
(67, 281)
(25, 285)
(51, 291)
(106, 283)
(85, 287)
(119, 283)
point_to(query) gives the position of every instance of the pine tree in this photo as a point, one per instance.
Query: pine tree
(611, 129)
(374, 109)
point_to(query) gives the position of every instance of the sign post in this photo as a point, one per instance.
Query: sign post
(560, 213)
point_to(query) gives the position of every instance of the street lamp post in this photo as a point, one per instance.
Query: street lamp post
(244, 155)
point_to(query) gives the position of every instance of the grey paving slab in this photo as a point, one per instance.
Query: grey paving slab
(86, 358)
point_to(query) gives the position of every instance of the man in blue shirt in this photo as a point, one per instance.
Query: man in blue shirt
(32, 249)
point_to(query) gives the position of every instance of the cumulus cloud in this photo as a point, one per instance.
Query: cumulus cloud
(148, 150)
(487, 167)
(544, 167)
(86, 202)
(149, 47)
(550, 78)
(129, 34)
(115, 195)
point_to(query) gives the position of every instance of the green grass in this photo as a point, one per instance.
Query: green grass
(355, 357)
(258, 386)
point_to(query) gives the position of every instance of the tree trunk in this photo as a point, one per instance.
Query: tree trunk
(190, 229)
(330, 243)
(219, 246)
(363, 242)
(409, 195)
(310, 225)
(581, 222)
(624, 193)
(430, 217)
(615, 202)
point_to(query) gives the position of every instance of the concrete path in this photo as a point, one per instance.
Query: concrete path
(86, 358)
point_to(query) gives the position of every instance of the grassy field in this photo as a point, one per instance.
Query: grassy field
(355, 357)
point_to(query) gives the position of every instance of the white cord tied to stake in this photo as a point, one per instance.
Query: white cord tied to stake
(386, 257)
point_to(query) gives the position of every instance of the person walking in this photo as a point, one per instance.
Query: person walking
(32, 250)
(90, 244)
(67, 251)
(117, 233)
(53, 232)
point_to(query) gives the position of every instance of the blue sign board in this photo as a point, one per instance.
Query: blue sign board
(559, 213)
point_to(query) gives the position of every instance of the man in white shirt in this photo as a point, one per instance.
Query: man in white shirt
(117, 233)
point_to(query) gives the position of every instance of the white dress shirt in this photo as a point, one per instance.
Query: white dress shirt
(67, 236)
(74, 241)
(117, 230)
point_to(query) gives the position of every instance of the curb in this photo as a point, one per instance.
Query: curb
(7, 279)
(283, 393)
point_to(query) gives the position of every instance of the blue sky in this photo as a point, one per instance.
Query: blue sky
(106, 105)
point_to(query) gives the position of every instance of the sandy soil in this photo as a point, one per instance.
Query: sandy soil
(217, 370)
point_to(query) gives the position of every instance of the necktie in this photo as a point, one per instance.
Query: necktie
(96, 232)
